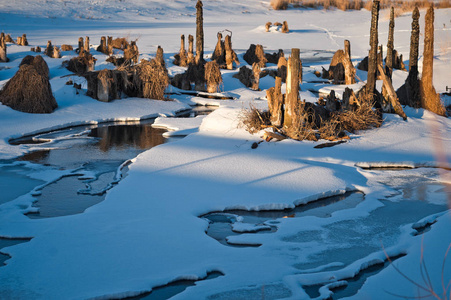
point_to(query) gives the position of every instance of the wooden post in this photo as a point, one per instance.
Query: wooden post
(275, 103)
(102, 47)
(292, 96)
(80, 45)
(86, 44)
(285, 27)
(3, 57)
(199, 33)
(219, 53)
(372, 56)
(160, 56)
(182, 54)
(268, 26)
(190, 49)
(412, 84)
(348, 48)
(110, 45)
(430, 100)
(390, 44)
(256, 74)
(230, 55)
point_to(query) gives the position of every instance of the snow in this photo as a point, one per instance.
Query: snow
(147, 232)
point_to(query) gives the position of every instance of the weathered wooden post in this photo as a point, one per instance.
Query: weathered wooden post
(190, 49)
(230, 55)
(102, 47)
(160, 56)
(110, 45)
(3, 57)
(219, 53)
(199, 33)
(430, 100)
(372, 56)
(86, 48)
(52, 51)
(80, 45)
(348, 48)
(182, 61)
(390, 44)
(292, 95)
(212, 76)
(256, 74)
(285, 27)
(275, 103)
(282, 68)
(268, 26)
(412, 84)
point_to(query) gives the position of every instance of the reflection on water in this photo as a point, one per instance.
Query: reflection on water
(135, 136)
(93, 154)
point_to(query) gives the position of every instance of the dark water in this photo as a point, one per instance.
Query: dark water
(7, 243)
(172, 289)
(93, 155)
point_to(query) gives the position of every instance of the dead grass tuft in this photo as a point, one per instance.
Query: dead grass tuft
(254, 120)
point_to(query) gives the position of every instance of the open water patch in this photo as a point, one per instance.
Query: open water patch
(4, 242)
(92, 158)
(223, 225)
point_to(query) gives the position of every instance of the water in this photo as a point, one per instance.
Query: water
(172, 289)
(7, 243)
(92, 155)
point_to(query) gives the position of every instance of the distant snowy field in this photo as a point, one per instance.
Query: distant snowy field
(147, 233)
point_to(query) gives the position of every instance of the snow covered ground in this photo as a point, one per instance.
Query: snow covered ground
(147, 232)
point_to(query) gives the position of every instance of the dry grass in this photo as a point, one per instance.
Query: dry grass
(401, 6)
(310, 125)
(151, 79)
(254, 120)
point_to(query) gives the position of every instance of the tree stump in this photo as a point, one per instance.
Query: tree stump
(3, 56)
(212, 76)
(292, 95)
(65, 47)
(190, 49)
(430, 100)
(282, 68)
(160, 56)
(110, 45)
(230, 55)
(348, 48)
(372, 56)
(285, 27)
(52, 51)
(256, 54)
(219, 53)
(268, 26)
(391, 94)
(180, 59)
(199, 33)
(81, 64)
(411, 90)
(86, 46)
(103, 47)
(80, 48)
(249, 77)
(131, 53)
(275, 103)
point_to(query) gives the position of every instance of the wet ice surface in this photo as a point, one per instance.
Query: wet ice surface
(332, 246)
(93, 155)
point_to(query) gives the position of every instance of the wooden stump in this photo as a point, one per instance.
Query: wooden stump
(256, 54)
(285, 27)
(65, 47)
(268, 26)
(199, 33)
(282, 68)
(430, 100)
(249, 77)
(131, 53)
(86, 46)
(52, 51)
(180, 59)
(230, 55)
(81, 46)
(372, 56)
(292, 95)
(3, 56)
(160, 56)
(219, 53)
(103, 47)
(212, 76)
(275, 103)
(391, 94)
(190, 49)
(110, 45)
